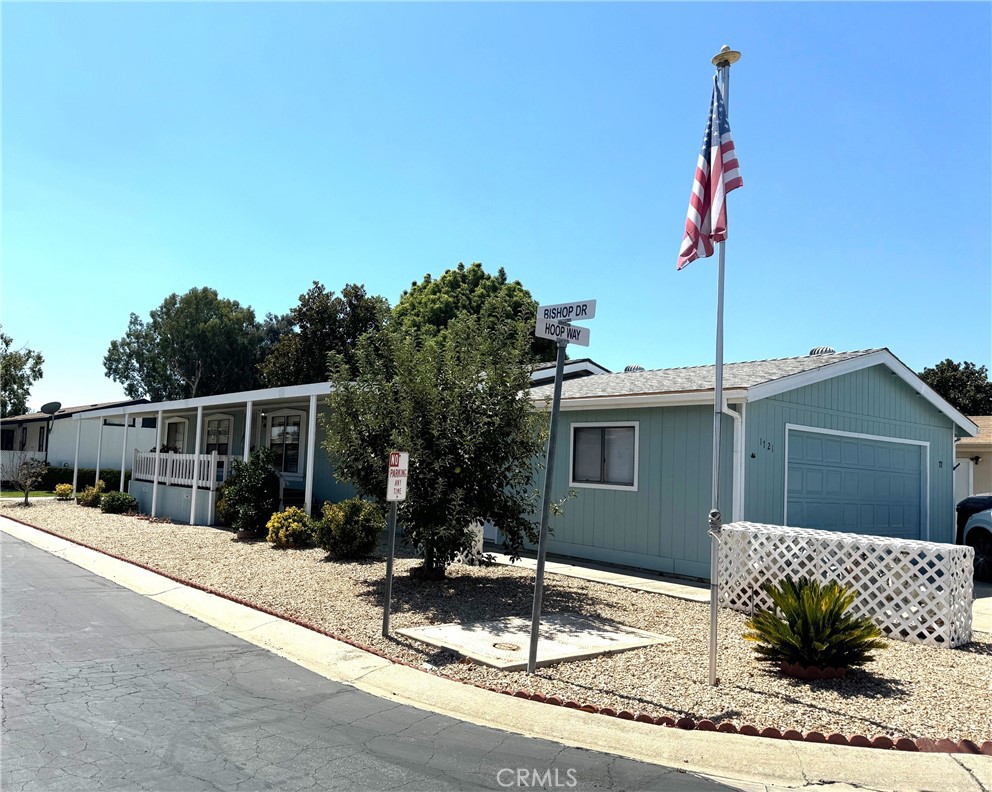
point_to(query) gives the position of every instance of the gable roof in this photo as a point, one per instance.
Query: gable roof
(747, 381)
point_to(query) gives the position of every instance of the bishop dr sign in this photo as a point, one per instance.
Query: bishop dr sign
(553, 321)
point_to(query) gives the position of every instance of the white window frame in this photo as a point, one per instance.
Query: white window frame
(217, 417)
(165, 432)
(925, 473)
(603, 425)
(267, 434)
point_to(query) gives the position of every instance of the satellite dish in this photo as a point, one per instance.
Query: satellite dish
(51, 408)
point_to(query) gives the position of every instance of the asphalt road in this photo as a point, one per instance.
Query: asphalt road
(106, 689)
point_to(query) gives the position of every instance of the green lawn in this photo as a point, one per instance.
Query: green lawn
(33, 494)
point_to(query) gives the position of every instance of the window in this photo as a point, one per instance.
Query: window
(218, 435)
(24, 438)
(7, 440)
(604, 455)
(284, 439)
(42, 436)
(175, 435)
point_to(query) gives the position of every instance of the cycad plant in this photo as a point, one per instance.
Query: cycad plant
(809, 626)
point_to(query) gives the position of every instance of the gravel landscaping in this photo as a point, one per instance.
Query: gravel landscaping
(907, 691)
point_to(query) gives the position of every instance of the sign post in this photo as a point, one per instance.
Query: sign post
(399, 464)
(552, 323)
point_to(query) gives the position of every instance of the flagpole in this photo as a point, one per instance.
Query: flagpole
(722, 60)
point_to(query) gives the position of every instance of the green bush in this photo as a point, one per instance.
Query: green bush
(63, 492)
(252, 492)
(91, 495)
(290, 528)
(350, 529)
(810, 626)
(118, 503)
(223, 508)
(86, 477)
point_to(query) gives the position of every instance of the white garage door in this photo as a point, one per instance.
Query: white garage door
(853, 484)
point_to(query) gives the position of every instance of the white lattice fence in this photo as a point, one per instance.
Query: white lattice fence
(914, 591)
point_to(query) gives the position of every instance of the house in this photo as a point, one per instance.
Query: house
(99, 441)
(846, 441)
(544, 373)
(973, 461)
(180, 472)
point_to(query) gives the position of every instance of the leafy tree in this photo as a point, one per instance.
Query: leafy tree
(323, 322)
(457, 402)
(197, 344)
(434, 303)
(964, 385)
(19, 370)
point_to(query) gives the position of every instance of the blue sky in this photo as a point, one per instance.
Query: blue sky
(254, 148)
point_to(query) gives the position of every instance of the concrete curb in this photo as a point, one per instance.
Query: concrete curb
(785, 759)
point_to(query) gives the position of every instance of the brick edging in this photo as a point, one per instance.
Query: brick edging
(918, 744)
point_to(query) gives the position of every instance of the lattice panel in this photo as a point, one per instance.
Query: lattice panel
(919, 592)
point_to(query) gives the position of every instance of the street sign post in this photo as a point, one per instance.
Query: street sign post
(553, 322)
(560, 331)
(399, 465)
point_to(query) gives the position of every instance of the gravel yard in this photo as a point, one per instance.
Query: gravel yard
(907, 691)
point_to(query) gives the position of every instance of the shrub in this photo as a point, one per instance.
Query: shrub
(810, 626)
(350, 529)
(223, 508)
(91, 495)
(290, 528)
(118, 503)
(85, 477)
(252, 492)
(63, 492)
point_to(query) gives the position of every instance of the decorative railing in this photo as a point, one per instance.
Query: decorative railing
(208, 470)
(920, 592)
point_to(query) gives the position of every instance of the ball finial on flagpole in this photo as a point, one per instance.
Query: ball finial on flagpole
(725, 57)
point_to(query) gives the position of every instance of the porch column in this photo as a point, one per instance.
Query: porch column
(158, 457)
(196, 464)
(311, 445)
(99, 450)
(247, 443)
(123, 452)
(75, 461)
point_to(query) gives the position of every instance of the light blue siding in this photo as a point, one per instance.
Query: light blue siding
(873, 402)
(661, 526)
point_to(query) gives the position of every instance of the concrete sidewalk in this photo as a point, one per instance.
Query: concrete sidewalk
(750, 763)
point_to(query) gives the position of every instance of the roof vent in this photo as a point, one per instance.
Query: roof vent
(824, 350)
(632, 367)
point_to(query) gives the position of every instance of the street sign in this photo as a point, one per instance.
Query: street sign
(399, 462)
(568, 312)
(556, 331)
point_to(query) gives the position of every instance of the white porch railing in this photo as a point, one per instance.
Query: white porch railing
(209, 470)
(920, 592)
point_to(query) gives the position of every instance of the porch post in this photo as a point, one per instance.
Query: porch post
(247, 443)
(196, 464)
(99, 451)
(123, 452)
(158, 457)
(311, 445)
(75, 461)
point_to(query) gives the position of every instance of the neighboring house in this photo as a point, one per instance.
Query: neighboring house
(973, 461)
(846, 441)
(29, 434)
(544, 373)
(197, 439)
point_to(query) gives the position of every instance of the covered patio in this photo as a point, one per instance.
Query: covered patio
(197, 439)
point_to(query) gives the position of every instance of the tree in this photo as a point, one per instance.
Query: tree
(434, 303)
(964, 385)
(23, 471)
(194, 345)
(323, 323)
(19, 370)
(458, 403)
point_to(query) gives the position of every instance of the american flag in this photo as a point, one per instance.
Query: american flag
(717, 173)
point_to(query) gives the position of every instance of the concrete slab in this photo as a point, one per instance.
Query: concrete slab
(505, 643)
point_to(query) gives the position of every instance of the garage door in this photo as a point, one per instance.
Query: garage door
(868, 486)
